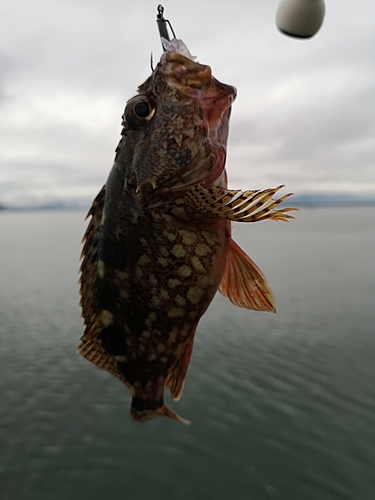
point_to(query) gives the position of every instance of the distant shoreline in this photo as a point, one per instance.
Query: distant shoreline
(332, 203)
(302, 202)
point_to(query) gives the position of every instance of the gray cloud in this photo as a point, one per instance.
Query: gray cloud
(304, 115)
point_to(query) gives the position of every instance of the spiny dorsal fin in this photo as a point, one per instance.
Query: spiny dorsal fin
(237, 205)
(244, 283)
(91, 346)
(89, 256)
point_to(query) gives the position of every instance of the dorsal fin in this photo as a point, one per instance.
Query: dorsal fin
(244, 283)
(91, 346)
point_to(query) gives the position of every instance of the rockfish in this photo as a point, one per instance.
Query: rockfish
(159, 246)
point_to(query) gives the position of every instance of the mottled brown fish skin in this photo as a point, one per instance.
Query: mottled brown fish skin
(158, 245)
(151, 266)
(156, 276)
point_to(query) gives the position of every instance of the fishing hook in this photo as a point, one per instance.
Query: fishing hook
(162, 25)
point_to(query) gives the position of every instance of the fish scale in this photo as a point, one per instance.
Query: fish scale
(159, 246)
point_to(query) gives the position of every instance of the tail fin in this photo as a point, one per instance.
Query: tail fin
(162, 411)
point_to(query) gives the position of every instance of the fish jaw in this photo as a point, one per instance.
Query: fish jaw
(183, 73)
(195, 80)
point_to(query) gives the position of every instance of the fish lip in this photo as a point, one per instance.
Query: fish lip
(180, 71)
(189, 64)
(195, 80)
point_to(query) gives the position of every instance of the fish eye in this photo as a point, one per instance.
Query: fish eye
(138, 112)
(142, 109)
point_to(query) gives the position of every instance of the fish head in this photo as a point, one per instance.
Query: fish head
(175, 129)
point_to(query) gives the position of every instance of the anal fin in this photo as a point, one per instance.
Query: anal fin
(244, 283)
(176, 379)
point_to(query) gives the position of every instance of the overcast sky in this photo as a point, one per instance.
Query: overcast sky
(304, 115)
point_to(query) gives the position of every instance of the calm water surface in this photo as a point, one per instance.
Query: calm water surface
(282, 406)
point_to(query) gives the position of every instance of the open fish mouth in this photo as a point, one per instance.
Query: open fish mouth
(196, 81)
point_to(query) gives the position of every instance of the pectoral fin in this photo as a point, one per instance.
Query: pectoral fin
(237, 205)
(243, 282)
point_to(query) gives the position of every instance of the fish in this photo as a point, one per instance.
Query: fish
(158, 246)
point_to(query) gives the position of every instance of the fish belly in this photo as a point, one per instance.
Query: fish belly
(158, 276)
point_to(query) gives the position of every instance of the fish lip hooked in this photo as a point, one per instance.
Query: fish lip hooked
(195, 80)
(181, 70)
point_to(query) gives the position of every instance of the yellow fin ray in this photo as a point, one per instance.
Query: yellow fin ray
(236, 205)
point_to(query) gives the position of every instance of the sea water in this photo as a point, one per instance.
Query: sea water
(282, 406)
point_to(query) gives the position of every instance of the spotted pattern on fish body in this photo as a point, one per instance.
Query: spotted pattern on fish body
(159, 245)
